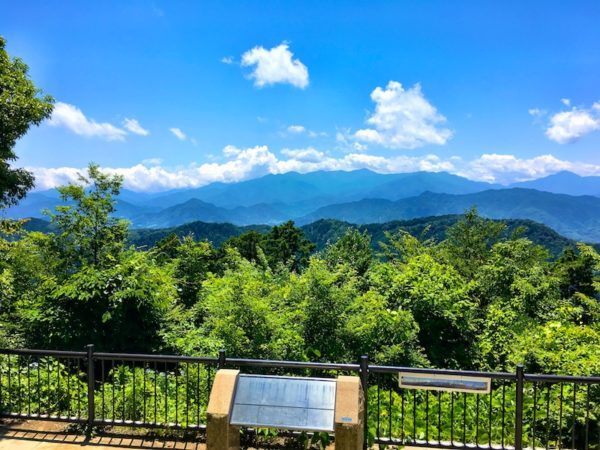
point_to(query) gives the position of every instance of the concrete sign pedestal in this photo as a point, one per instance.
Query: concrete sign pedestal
(349, 414)
(303, 403)
(220, 435)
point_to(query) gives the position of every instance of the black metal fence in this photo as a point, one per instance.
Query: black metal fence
(96, 389)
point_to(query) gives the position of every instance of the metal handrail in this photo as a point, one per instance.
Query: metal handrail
(29, 372)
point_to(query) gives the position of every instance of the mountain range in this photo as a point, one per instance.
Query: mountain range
(568, 203)
(325, 231)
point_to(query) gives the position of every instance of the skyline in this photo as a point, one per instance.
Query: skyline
(176, 95)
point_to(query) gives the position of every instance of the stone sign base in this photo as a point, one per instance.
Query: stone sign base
(220, 435)
(348, 419)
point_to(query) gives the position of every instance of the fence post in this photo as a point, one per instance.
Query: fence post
(364, 378)
(222, 358)
(90, 392)
(519, 408)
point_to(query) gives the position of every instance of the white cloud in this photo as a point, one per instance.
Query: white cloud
(304, 154)
(242, 164)
(275, 66)
(134, 126)
(152, 161)
(565, 101)
(72, 118)
(537, 112)
(301, 129)
(568, 126)
(227, 60)
(238, 164)
(503, 168)
(296, 129)
(178, 133)
(403, 119)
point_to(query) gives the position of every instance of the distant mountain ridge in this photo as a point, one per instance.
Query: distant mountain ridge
(574, 217)
(564, 183)
(360, 196)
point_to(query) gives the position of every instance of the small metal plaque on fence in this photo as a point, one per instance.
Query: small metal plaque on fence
(437, 382)
(294, 403)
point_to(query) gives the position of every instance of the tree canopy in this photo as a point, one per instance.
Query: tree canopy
(21, 106)
(415, 301)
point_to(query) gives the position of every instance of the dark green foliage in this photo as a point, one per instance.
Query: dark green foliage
(216, 233)
(286, 245)
(469, 241)
(327, 231)
(576, 270)
(193, 263)
(21, 106)
(248, 244)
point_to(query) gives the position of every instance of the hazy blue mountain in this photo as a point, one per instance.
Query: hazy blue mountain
(270, 198)
(301, 191)
(291, 187)
(359, 196)
(564, 183)
(412, 184)
(574, 217)
(194, 209)
(36, 203)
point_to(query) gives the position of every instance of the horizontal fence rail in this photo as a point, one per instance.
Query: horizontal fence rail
(90, 388)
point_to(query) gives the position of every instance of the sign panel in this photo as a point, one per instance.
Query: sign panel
(435, 382)
(294, 403)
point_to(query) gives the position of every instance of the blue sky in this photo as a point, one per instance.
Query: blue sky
(177, 94)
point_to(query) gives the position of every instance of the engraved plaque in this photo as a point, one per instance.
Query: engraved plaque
(292, 403)
(436, 382)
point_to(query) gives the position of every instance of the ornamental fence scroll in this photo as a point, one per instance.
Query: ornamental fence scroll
(515, 410)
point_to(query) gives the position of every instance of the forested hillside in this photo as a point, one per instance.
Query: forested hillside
(574, 217)
(328, 231)
(477, 296)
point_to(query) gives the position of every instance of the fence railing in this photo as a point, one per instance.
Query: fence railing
(98, 389)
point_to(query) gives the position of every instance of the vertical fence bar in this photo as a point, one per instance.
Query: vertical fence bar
(519, 408)
(222, 358)
(91, 383)
(364, 378)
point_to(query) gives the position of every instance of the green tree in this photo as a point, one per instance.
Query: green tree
(248, 244)
(285, 245)
(577, 269)
(324, 296)
(559, 348)
(194, 262)
(469, 241)
(21, 106)
(439, 299)
(245, 311)
(167, 248)
(388, 336)
(517, 273)
(88, 232)
(119, 308)
(353, 249)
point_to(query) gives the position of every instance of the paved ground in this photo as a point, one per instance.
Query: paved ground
(39, 435)
(36, 435)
